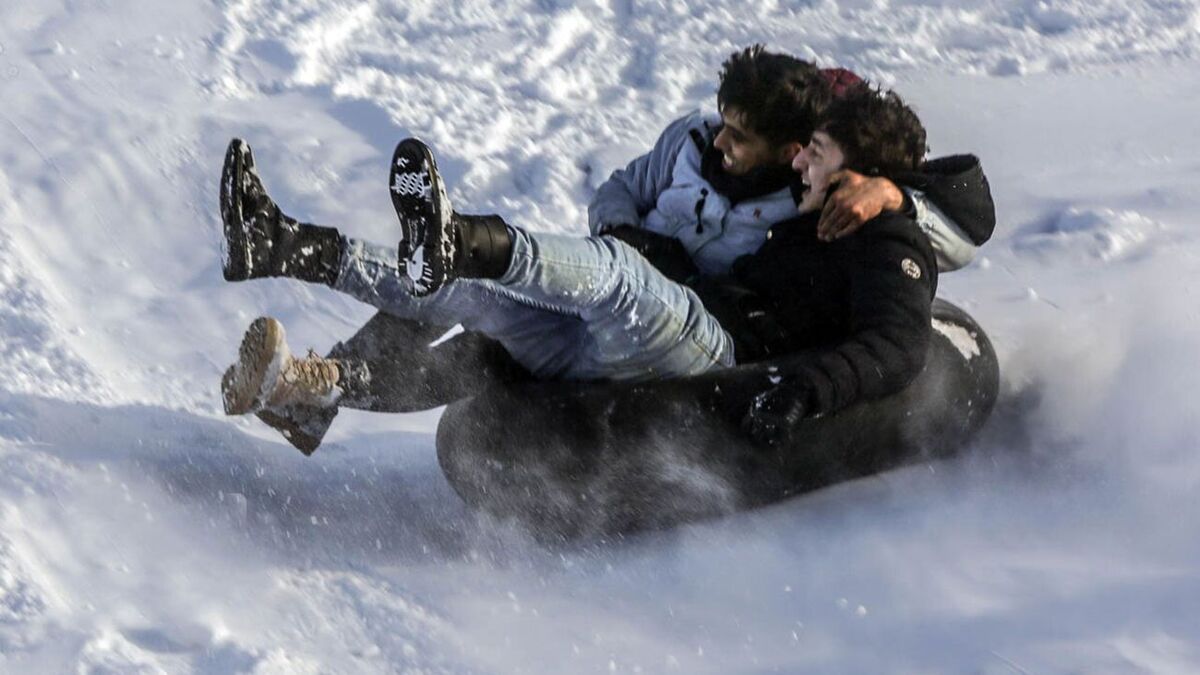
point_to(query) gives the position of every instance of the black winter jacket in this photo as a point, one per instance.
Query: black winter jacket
(848, 319)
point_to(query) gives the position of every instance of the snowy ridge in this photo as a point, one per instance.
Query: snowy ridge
(33, 346)
(141, 531)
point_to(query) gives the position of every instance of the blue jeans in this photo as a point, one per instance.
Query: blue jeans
(568, 307)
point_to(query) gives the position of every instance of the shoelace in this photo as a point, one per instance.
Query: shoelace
(312, 371)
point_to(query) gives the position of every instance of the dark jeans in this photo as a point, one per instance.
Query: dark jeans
(408, 368)
(396, 365)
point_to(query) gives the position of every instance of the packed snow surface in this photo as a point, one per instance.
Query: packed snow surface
(141, 531)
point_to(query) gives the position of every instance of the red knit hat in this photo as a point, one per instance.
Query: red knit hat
(840, 79)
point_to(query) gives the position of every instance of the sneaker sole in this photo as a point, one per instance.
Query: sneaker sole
(419, 198)
(260, 359)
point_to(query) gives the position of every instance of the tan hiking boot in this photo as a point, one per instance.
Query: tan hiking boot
(267, 375)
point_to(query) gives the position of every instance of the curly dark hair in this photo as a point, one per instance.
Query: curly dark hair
(779, 96)
(879, 134)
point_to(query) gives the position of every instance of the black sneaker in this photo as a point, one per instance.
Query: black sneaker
(427, 234)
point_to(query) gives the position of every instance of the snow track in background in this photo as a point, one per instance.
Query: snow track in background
(142, 532)
(620, 69)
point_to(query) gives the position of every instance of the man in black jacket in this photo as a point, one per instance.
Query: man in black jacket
(854, 314)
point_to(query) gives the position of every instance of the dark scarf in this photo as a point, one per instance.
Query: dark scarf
(757, 182)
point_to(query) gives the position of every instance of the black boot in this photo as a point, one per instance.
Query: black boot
(484, 247)
(262, 241)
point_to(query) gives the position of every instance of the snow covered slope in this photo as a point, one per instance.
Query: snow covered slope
(141, 531)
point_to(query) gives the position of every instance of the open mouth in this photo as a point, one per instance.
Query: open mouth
(800, 189)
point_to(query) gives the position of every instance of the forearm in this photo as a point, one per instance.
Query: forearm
(868, 365)
(892, 284)
(613, 205)
(632, 191)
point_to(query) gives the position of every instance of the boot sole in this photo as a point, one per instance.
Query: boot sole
(302, 426)
(419, 197)
(260, 359)
(235, 255)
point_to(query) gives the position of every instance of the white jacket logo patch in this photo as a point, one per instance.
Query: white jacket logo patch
(911, 268)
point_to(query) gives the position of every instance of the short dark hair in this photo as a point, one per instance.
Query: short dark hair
(879, 134)
(779, 96)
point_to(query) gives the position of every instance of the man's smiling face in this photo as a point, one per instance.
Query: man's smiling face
(744, 150)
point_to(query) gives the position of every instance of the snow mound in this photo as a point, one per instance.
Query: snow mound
(34, 348)
(1102, 234)
(83, 598)
(22, 603)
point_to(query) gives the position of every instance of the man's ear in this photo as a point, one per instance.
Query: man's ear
(789, 151)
